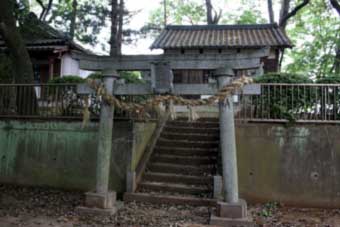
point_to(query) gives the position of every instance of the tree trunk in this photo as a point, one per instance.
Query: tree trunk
(209, 12)
(73, 19)
(285, 14)
(120, 27)
(23, 70)
(114, 28)
(15, 44)
(165, 13)
(117, 20)
(337, 61)
(285, 5)
(271, 11)
(336, 6)
(47, 10)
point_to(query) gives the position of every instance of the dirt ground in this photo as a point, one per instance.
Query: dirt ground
(41, 207)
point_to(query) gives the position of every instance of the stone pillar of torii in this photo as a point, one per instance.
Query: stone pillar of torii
(232, 208)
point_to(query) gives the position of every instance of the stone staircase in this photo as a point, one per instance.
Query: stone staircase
(182, 165)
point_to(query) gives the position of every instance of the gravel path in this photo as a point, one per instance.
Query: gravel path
(41, 207)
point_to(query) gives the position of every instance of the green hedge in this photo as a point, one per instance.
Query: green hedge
(287, 78)
(288, 101)
(329, 80)
(68, 79)
(96, 75)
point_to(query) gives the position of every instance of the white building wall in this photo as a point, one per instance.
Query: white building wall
(70, 66)
(84, 73)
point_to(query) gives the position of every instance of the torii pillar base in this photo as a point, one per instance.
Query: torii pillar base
(102, 204)
(231, 214)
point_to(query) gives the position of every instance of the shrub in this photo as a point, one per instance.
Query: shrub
(69, 79)
(290, 101)
(283, 102)
(131, 77)
(96, 75)
(287, 78)
(329, 80)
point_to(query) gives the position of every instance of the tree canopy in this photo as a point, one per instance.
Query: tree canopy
(313, 25)
(316, 34)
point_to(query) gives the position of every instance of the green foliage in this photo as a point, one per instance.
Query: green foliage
(68, 79)
(131, 77)
(184, 12)
(178, 12)
(268, 209)
(250, 17)
(248, 13)
(329, 80)
(288, 78)
(316, 32)
(96, 75)
(286, 101)
(290, 101)
(91, 18)
(22, 9)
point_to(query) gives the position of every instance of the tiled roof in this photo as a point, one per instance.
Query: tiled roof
(39, 35)
(221, 36)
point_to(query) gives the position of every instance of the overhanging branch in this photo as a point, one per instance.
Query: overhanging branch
(42, 7)
(336, 5)
(292, 13)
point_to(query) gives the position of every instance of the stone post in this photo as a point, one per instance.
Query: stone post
(227, 140)
(231, 211)
(102, 201)
(105, 137)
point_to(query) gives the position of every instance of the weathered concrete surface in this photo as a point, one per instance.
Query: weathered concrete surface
(297, 165)
(48, 153)
(142, 136)
(63, 154)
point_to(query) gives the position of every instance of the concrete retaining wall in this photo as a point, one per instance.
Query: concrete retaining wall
(297, 165)
(63, 154)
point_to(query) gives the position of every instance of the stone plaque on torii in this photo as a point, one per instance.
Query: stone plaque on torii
(224, 66)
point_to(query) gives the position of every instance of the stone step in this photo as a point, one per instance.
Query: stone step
(184, 129)
(178, 178)
(204, 170)
(186, 143)
(188, 160)
(174, 188)
(168, 199)
(195, 124)
(190, 136)
(186, 151)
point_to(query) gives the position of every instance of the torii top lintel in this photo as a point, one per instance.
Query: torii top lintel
(246, 59)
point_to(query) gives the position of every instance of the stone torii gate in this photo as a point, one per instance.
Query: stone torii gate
(224, 65)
